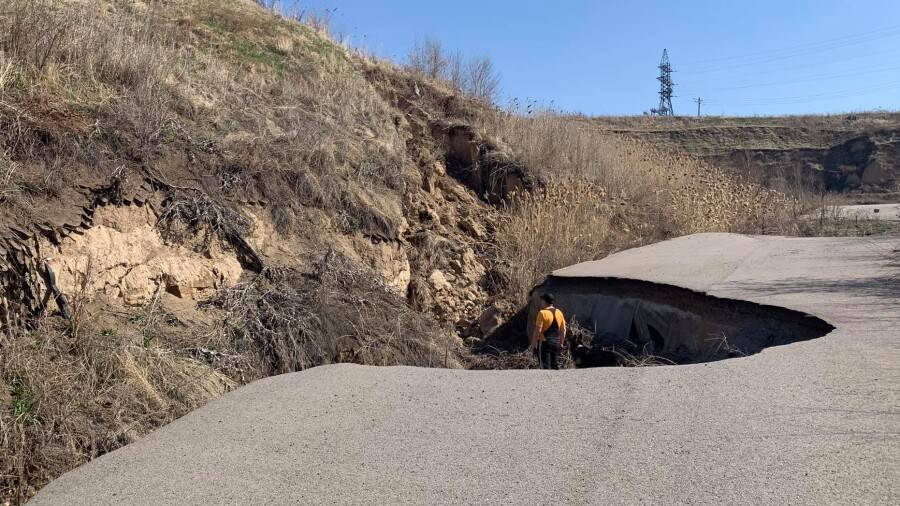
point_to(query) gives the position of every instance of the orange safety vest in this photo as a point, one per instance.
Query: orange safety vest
(549, 322)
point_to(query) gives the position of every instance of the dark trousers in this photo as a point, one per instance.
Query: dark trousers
(548, 354)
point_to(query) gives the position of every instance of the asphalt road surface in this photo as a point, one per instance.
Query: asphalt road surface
(814, 422)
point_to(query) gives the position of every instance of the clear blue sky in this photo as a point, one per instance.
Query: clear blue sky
(599, 57)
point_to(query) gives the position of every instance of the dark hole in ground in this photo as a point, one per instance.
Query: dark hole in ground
(621, 322)
(643, 323)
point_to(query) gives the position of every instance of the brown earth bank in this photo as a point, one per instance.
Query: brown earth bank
(856, 154)
(197, 194)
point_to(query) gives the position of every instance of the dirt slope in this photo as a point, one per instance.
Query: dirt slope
(814, 422)
(272, 147)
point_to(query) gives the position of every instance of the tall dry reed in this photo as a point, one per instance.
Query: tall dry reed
(604, 193)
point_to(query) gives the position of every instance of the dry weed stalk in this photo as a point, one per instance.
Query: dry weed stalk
(643, 359)
(722, 344)
(81, 297)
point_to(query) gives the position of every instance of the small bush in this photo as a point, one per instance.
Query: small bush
(476, 78)
(336, 313)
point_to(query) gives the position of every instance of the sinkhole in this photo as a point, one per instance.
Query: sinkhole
(618, 322)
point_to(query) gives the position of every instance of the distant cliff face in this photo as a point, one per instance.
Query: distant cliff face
(865, 163)
(856, 154)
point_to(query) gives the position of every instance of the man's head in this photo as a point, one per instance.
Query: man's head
(547, 299)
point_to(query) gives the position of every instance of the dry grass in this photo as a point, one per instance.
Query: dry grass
(74, 398)
(538, 235)
(642, 359)
(72, 393)
(605, 193)
(262, 101)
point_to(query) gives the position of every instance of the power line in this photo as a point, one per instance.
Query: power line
(867, 36)
(794, 54)
(745, 61)
(813, 64)
(799, 99)
(821, 77)
(842, 93)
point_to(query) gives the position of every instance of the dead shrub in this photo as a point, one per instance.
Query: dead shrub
(428, 58)
(195, 219)
(188, 216)
(476, 78)
(336, 313)
(481, 80)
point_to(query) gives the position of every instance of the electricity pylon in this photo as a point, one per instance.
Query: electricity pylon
(665, 87)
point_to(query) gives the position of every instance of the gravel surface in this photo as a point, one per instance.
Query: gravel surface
(815, 422)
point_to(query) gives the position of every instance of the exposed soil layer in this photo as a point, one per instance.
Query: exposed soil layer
(835, 154)
(625, 322)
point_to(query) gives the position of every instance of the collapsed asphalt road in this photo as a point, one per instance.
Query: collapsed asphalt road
(813, 422)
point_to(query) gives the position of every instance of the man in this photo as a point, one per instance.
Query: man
(549, 336)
